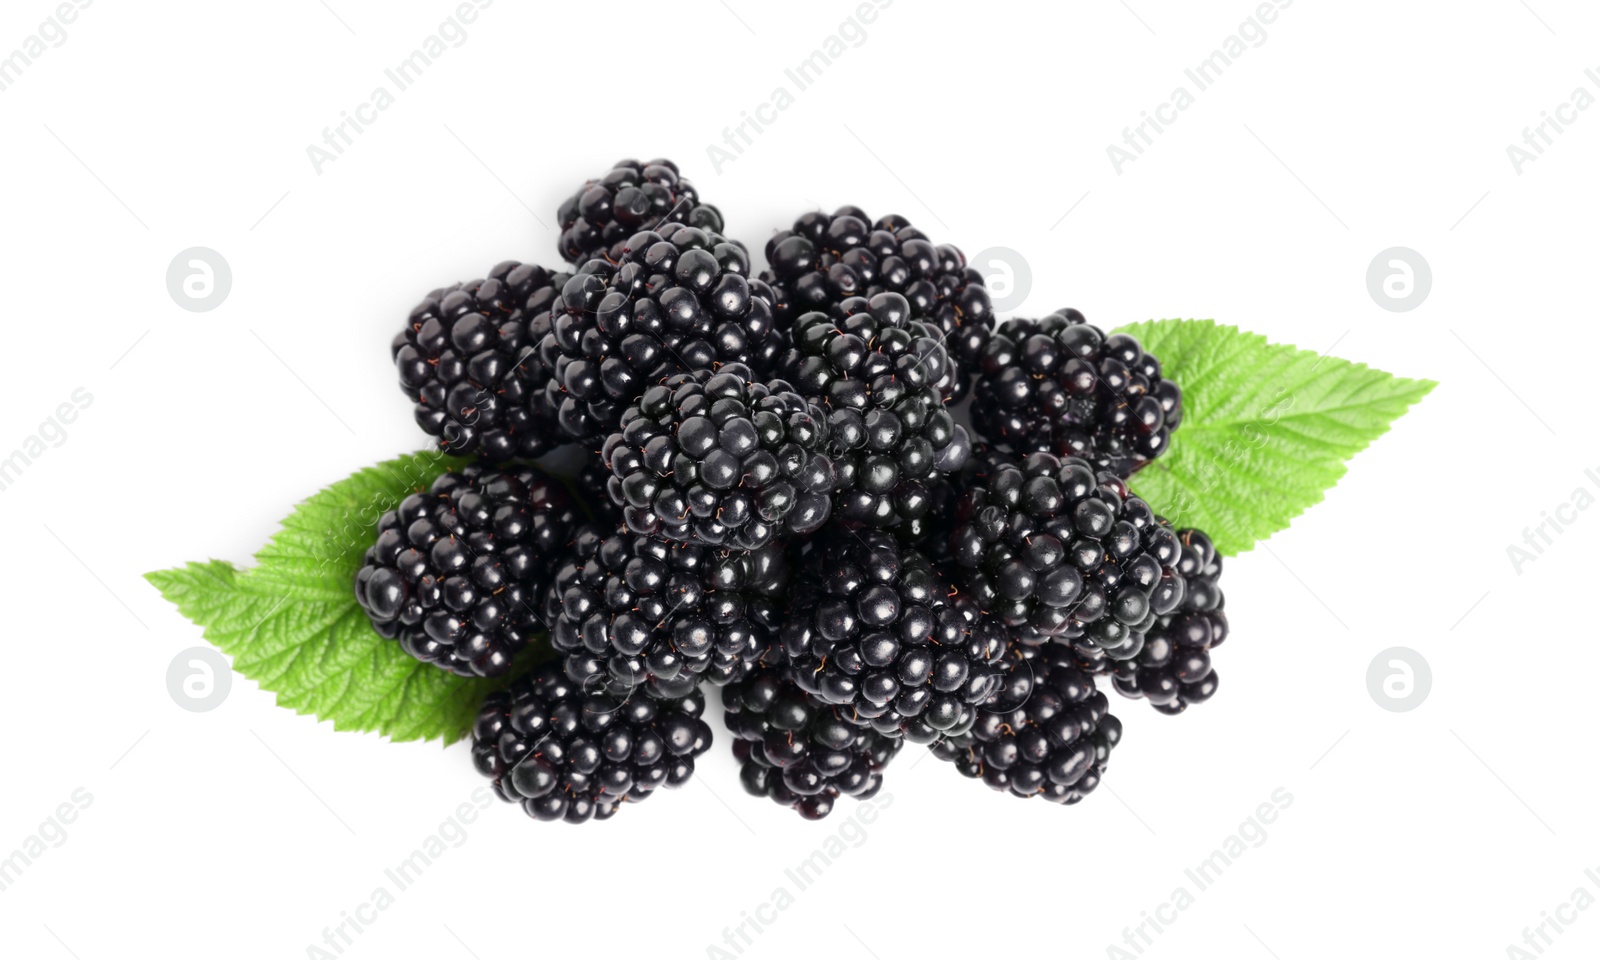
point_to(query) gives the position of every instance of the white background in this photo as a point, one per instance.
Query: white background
(1351, 128)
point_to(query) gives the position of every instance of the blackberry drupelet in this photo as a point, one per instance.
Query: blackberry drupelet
(1047, 734)
(469, 359)
(927, 513)
(1060, 385)
(798, 750)
(764, 652)
(1174, 670)
(566, 754)
(753, 632)
(932, 527)
(876, 369)
(1057, 551)
(626, 610)
(828, 258)
(720, 459)
(457, 574)
(632, 196)
(875, 629)
(677, 299)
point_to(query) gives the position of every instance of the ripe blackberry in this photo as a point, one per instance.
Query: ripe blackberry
(457, 574)
(876, 370)
(626, 610)
(632, 196)
(876, 630)
(564, 753)
(1062, 386)
(677, 299)
(798, 750)
(1174, 669)
(930, 524)
(828, 258)
(469, 359)
(926, 512)
(763, 652)
(718, 458)
(1058, 552)
(1047, 734)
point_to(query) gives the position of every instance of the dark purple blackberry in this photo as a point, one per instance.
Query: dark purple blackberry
(1046, 734)
(927, 513)
(1174, 669)
(457, 574)
(632, 196)
(678, 299)
(626, 610)
(876, 369)
(763, 652)
(828, 258)
(875, 629)
(1056, 551)
(566, 754)
(1060, 385)
(797, 749)
(720, 459)
(469, 359)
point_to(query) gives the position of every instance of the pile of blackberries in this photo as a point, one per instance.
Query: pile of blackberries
(780, 495)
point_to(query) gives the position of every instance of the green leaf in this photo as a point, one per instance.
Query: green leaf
(292, 623)
(1266, 428)
(318, 551)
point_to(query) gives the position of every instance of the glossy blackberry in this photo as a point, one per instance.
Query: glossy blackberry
(632, 196)
(875, 629)
(926, 512)
(876, 370)
(798, 750)
(468, 358)
(1174, 670)
(626, 610)
(763, 652)
(828, 258)
(1057, 551)
(677, 299)
(720, 459)
(457, 574)
(1047, 734)
(1062, 386)
(566, 754)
